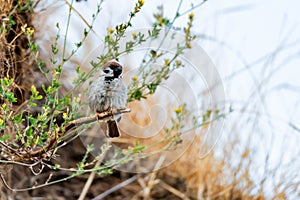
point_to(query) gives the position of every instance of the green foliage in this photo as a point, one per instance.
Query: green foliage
(151, 78)
(5, 92)
(28, 6)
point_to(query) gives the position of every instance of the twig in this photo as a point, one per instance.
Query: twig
(79, 15)
(294, 127)
(90, 179)
(99, 116)
(152, 179)
(173, 190)
(88, 182)
(193, 8)
(34, 187)
(115, 188)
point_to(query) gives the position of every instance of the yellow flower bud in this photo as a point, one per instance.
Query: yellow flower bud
(178, 110)
(29, 31)
(110, 30)
(167, 62)
(135, 78)
(178, 63)
(133, 35)
(191, 16)
(141, 2)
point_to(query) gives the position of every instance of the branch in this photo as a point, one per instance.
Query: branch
(41, 151)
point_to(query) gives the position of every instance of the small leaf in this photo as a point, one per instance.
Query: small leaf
(5, 137)
(152, 87)
(78, 69)
(137, 95)
(41, 64)
(17, 119)
(33, 120)
(56, 166)
(85, 32)
(78, 44)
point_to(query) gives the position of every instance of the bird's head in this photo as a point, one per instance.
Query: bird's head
(112, 70)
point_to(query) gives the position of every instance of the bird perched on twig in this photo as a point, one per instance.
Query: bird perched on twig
(107, 92)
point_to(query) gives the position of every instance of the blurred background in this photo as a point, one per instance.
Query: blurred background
(255, 47)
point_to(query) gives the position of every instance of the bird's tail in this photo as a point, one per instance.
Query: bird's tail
(113, 130)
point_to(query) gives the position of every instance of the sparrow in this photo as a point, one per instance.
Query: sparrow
(109, 92)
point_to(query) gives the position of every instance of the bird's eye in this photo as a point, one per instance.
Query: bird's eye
(106, 71)
(118, 69)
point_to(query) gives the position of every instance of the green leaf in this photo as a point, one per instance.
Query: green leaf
(85, 32)
(11, 22)
(10, 97)
(4, 138)
(34, 90)
(41, 64)
(152, 87)
(78, 69)
(17, 119)
(39, 97)
(56, 166)
(33, 47)
(78, 44)
(29, 132)
(6, 82)
(32, 104)
(90, 148)
(136, 95)
(33, 120)
(54, 49)
(138, 149)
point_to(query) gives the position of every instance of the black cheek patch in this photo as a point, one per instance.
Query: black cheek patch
(117, 70)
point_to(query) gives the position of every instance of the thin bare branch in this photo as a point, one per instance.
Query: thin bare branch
(115, 188)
